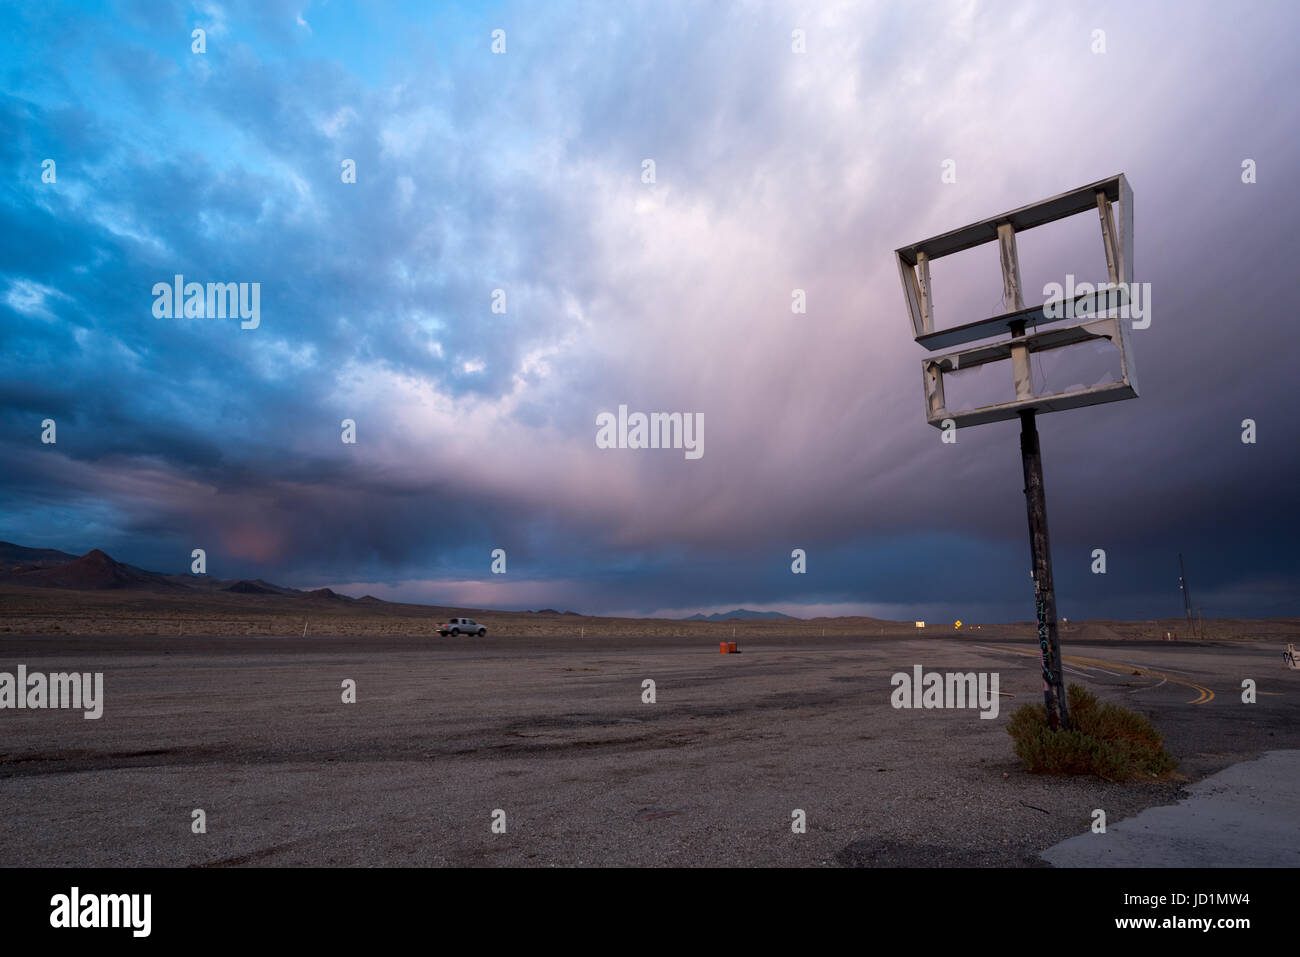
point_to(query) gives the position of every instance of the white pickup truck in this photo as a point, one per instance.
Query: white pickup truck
(462, 626)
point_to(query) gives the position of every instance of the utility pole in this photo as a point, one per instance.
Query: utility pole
(1187, 595)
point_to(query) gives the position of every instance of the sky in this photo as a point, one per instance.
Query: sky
(782, 161)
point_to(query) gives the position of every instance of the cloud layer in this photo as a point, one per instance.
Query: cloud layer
(522, 171)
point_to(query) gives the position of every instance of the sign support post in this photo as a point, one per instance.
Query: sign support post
(1049, 642)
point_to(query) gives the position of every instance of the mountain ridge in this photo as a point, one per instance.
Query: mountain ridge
(738, 614)
(97, 570)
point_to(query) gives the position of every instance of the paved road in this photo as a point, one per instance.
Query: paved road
(1247, 815)
(555, 734)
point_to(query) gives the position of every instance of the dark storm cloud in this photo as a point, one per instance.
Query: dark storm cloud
(775, 171)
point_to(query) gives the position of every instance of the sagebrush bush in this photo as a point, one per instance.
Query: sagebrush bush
(1104, 739)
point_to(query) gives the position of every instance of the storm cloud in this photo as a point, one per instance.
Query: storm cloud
(522, 171)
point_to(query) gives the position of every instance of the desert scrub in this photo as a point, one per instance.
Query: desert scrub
(1104, 739)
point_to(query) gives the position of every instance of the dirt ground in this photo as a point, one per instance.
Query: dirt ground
(555, 734)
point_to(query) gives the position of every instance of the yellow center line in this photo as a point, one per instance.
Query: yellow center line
(1204, 694)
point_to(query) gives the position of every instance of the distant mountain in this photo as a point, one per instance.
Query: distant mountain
(738, 613)
(49, 568)
(16, 556)
(258, 587)
(326, 594)
(93, 570)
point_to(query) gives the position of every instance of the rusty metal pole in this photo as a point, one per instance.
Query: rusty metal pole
(1049, 642)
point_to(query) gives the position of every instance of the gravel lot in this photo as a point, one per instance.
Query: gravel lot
(555, 733)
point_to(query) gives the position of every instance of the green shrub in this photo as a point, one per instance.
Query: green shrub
(1104, 739)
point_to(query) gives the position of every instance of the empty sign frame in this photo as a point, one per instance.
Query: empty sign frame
(1117, 242)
